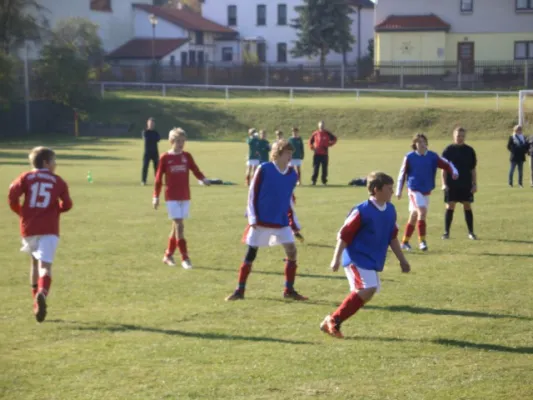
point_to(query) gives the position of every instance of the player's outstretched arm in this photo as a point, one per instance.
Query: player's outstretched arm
(337, 254)
(158, 185)
(402, 176)
(397, 250)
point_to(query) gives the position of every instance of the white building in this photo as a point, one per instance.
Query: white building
(265, 31)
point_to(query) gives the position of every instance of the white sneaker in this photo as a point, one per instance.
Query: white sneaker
(186, 264)
(406, 246)
(423, 246)
(169, 260)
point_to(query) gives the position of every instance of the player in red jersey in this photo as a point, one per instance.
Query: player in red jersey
(175, 164)
(45, 198)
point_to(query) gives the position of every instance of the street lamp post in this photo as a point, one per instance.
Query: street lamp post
(153, 21)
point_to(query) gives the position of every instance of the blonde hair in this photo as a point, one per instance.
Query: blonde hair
(376, 180)
(517, 128)
(279, 147)
(39, 155)
(176, 133)
(251, 131)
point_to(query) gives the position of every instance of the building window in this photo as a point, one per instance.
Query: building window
(261, 51)
(467, 6)
(227, 54)
(282, 52)
(201, 58)
(101, 5)
(524, 5)
(261, 15)
(184, 57)
(232, 15)
(523, 50)
(282, 14)
(199, 37)
(192, 57)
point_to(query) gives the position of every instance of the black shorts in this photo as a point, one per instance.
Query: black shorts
(458, 195)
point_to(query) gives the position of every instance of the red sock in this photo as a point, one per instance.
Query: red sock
(290, 275)
(409, 229)
(33, 290)
(244, 271)
(182, 246)
(349, 307)
(421, 225)
(171, 246)
(44, 284)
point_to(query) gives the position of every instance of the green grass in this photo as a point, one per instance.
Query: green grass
(121, 325)
(207, 115)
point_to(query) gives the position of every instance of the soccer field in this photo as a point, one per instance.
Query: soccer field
(121, 325)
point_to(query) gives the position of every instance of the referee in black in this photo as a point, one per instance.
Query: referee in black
(461, 190)
(151, 152)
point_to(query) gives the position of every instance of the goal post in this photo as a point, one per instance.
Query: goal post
(525, 108)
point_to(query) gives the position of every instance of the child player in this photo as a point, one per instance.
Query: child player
(263, 147)
(253, 155)
(362, 242)
(271, 217)
(279, 135)
(175, 164)
(298, 155)
(418, 169)
(46, 196)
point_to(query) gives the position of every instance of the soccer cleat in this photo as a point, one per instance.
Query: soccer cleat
(186, 264)
(143, 183)
(294, 295)
(39, 307)
(472, 236)
(236, 295)
(299, 236)
(298, 183)
(169, 260)
(423, 245)
(445, 236)
(406, 246)
(331, 328)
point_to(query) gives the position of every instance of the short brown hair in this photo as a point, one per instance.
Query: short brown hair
(295, 129)
(459, 128)
(279, 133)
(376, 181)
(279, 147)
(39, 155)
(415, 139)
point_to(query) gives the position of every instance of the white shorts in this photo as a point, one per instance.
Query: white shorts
(252, 163)
(261, 236)
(360, 278)
(417, 200)
(41, 247)
(178, 209)
(295, 162)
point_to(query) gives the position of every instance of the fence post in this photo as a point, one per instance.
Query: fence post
(459, 75)
(164, 90)
(497, 102)
(206, 66)
(342, 76)
(102, 89)
(27, 88)
(227, 93)
(291, 95)
(267, 75)
(426, 94)
(357, 95)
(401, 77)
(526, 73)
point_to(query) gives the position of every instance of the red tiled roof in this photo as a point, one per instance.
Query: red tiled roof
(142, 48)
(184, 18)
(412, 23)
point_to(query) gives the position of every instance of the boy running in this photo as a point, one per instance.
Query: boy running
(298, 155)
(46, 196)
(362, 242)
(253, 155)
(271, 218)
(175, 164)
(418, 169)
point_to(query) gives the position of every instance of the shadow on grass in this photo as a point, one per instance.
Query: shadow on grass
(511, 241)
(117, 328)
(280, 273)
(506, 255)
(441, 311)
(320, 245)
(21, 156)
(450, 342)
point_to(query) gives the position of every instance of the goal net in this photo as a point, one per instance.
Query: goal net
(525, 111)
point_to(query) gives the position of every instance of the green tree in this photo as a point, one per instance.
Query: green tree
(68, 60)
(322, 26)
(7, 79)
(20, 20)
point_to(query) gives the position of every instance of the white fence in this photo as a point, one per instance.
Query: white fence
(291, 93)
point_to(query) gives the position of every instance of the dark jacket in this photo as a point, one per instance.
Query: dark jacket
(518, 150)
